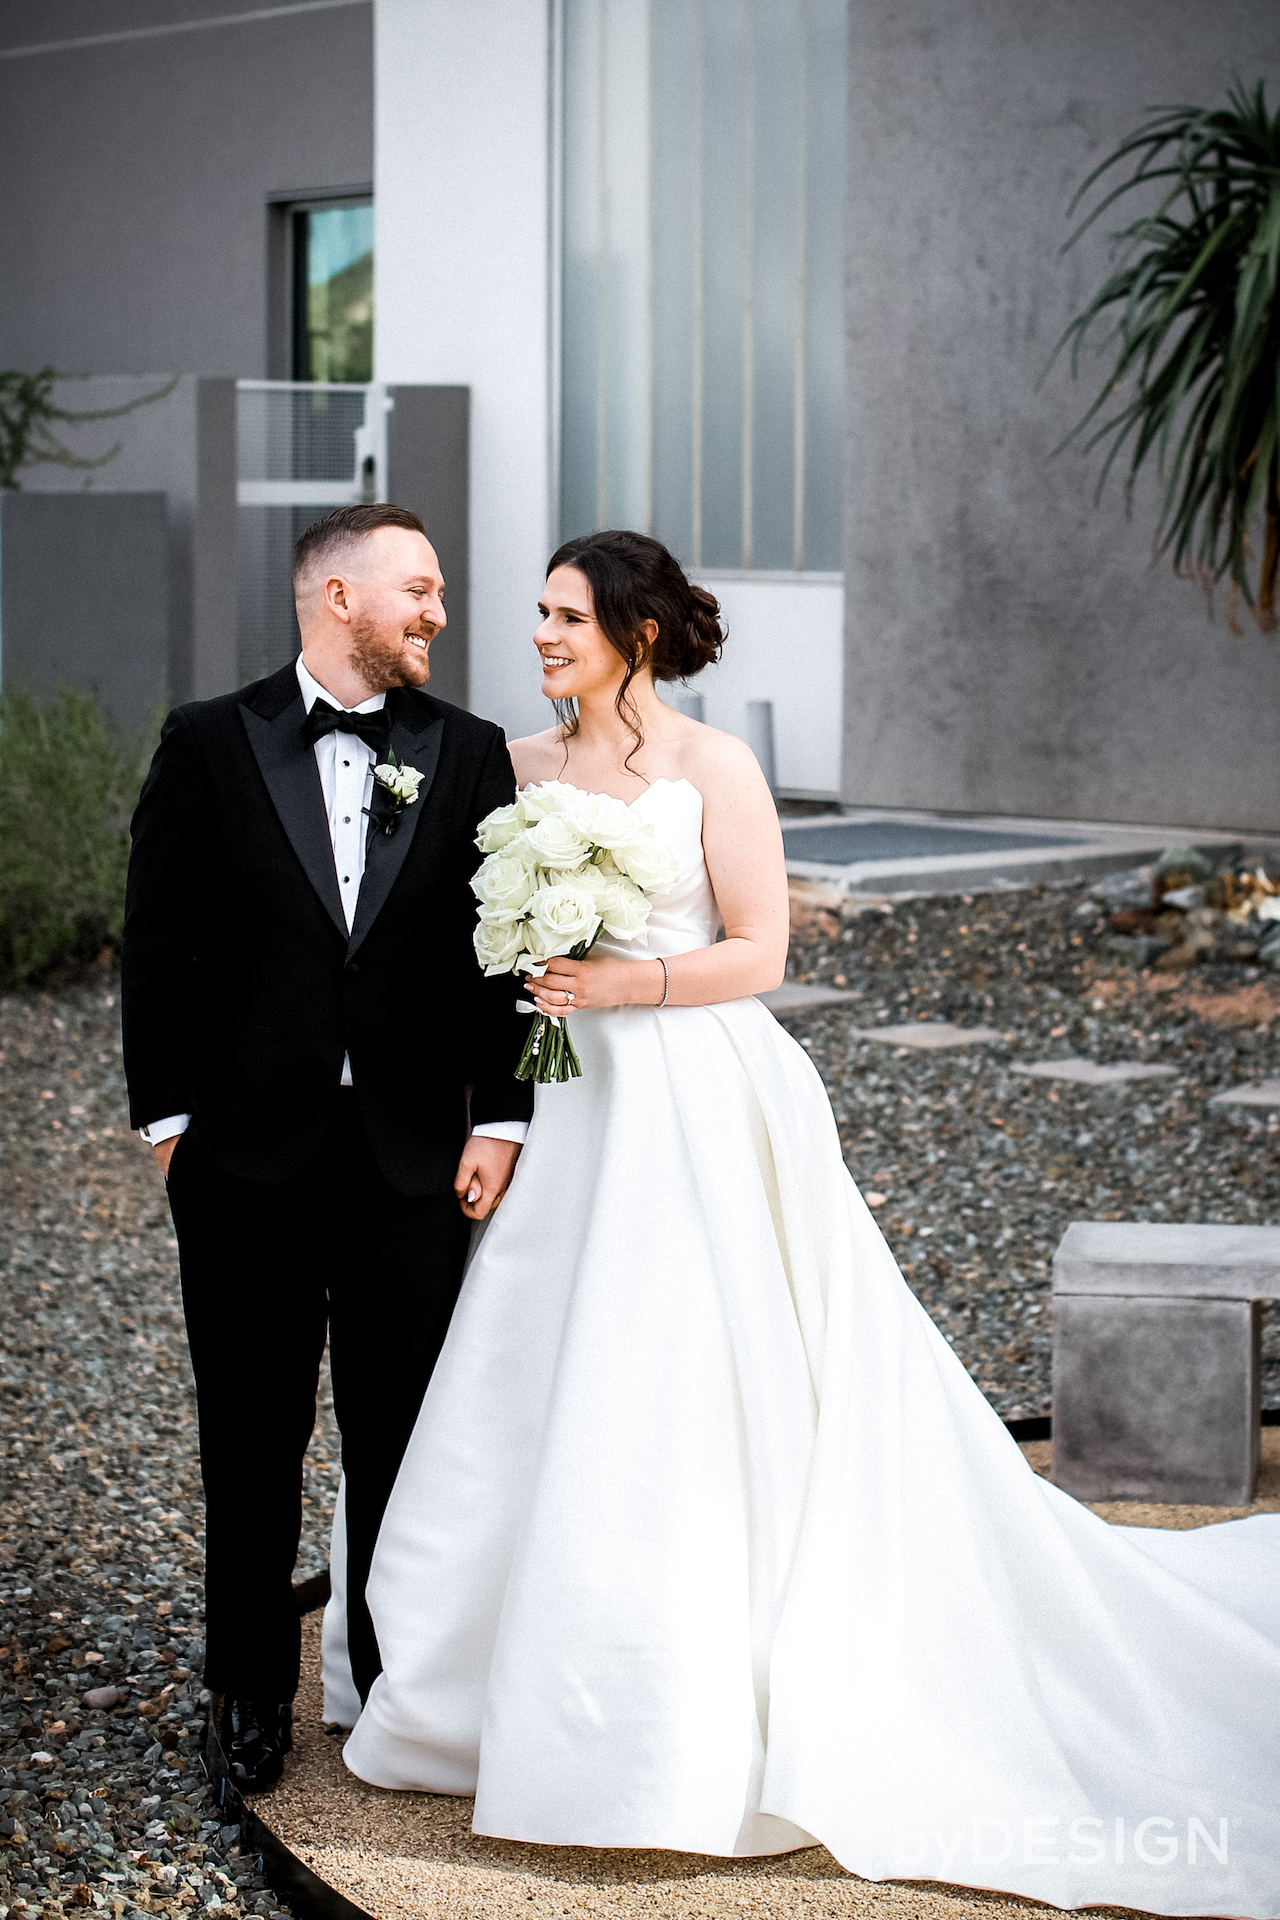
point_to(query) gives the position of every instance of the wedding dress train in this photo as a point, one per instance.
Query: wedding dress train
(706, 1540)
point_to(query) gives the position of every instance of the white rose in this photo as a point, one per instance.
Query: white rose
(503, 886)
(499, 828)
(623, 909)
(556, 842)
(549, 796)
(402, 782)
(563, 917)
(600, 819)
(497, 940)
(646, 860)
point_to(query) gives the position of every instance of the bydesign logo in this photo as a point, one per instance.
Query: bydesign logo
(1047, 1841)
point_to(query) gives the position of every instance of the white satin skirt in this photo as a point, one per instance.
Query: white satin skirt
(705, 1539)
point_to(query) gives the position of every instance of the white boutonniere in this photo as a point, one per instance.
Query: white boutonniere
(398, 786)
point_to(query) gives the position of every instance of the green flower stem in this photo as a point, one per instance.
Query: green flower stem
(549, 1054)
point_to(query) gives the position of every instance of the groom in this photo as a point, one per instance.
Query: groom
(323, 1073)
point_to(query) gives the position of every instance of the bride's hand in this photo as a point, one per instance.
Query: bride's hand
(568, 986)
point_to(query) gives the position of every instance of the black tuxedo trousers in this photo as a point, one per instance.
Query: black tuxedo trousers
(265, 1271)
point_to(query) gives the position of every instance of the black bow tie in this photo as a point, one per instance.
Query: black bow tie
(373, 728)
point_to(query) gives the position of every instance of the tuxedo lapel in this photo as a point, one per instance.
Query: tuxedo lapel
(415, 739)
(288, 765)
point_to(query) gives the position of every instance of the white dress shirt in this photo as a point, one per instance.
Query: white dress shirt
(345, 766)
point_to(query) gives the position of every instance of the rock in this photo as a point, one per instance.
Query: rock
(1135, 950)
(1184, 897)
(1132, 888)
(1269, 952)
(1198, 942)
(102, 1699)
(1178, 959)
(1182, 867)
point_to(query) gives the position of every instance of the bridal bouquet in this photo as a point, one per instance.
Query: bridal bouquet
(563, 867)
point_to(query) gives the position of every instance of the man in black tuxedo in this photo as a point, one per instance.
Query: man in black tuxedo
(324, 1074)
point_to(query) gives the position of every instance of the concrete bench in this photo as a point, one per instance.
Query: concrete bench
(1157, 1361)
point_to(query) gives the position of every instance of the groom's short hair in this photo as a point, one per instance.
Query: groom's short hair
(344, 526)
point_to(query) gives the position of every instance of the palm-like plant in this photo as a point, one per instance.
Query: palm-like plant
(1197, 337)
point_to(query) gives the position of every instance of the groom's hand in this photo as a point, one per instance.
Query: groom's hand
(484, 1174)
(164, 1152)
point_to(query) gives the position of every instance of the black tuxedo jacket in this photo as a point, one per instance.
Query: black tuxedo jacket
(242, 988)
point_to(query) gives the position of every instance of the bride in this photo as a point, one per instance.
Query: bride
(705, 1539)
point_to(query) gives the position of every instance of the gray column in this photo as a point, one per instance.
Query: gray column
(213, 558)
(428, 470)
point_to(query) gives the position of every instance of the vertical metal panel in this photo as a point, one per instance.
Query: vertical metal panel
(699, 316)
(602, 258)
(748, 283)
(648, 272)
(703, 186)
(802, 101)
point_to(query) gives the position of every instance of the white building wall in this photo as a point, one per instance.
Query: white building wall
(786, 645)
(462, 290)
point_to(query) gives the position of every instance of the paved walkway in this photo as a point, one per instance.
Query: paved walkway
(884, 851)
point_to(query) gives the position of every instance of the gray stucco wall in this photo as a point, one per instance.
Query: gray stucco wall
(137, 175)
(83, 598)
(1008, 647)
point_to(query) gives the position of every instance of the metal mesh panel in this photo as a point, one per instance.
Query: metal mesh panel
(287, 435)
(298, 432)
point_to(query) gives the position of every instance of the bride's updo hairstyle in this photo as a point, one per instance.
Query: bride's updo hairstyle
(633, 578)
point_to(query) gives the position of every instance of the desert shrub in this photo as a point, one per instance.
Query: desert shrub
(69, 781)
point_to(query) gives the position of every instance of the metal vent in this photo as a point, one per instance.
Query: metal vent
(303, 448)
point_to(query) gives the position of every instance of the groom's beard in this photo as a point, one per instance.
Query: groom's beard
(384, 659)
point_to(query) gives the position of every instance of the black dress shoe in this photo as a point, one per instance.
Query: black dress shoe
(256, 1735)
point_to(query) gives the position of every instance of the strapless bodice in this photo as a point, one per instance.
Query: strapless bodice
(685, 916)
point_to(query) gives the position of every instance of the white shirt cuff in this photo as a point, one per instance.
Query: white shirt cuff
(157, 1130)
(517, 1131)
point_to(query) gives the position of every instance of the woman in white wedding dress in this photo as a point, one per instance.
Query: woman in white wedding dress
(705, 1539)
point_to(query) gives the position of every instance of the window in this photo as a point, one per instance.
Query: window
(333, 291)
(702, 331)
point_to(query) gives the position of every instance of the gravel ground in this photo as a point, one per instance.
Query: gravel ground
(101, 1798)
(981, 1170)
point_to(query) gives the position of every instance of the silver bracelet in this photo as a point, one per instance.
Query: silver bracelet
(666, 981)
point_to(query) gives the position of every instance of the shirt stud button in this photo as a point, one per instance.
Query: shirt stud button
(346, 819)
(346, 879)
